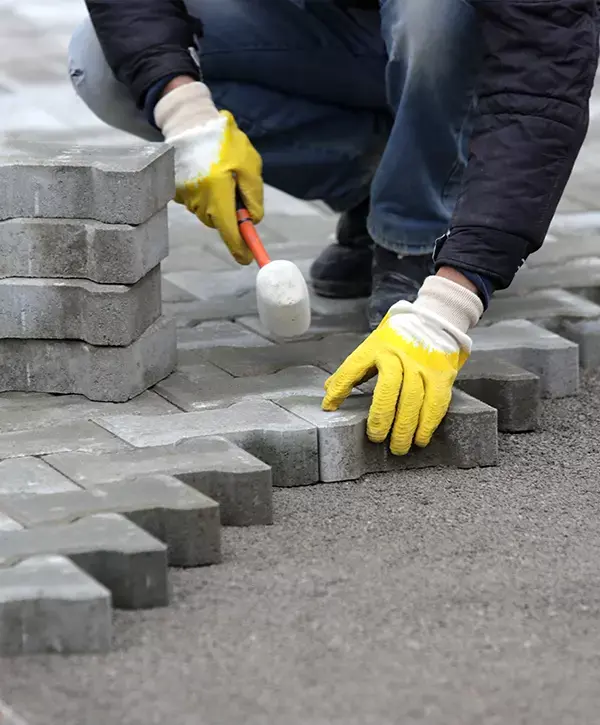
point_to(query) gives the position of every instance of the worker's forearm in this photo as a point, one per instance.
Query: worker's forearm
(455, 276)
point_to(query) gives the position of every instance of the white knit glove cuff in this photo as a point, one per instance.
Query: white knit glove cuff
(448, 305)
(185, 109)
(450, 300)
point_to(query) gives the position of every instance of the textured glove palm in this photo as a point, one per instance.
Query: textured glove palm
(417, 351)
(212, 156)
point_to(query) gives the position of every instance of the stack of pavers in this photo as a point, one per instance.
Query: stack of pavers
(105, 485)
(82, 235)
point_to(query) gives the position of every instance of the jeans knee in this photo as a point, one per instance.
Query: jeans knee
(95, 84)
(428, 36)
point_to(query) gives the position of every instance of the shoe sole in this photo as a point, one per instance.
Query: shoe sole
(340, 290)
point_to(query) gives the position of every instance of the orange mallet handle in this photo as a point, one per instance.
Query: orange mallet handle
(250, 235)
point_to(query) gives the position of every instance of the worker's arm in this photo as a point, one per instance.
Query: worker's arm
(145, 41)
(534, 89)
(148, 45)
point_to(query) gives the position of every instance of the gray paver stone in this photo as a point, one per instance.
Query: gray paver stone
(184, 519)
(542, 307)
(78, 436)
(221, 393)
(327, 353)
(83, 249)
(114, 551)
(562, 246)
(218, 295)
(585, 334)
(554, 359)
(320, 326)
(120, 185)
(515, 393)
(109, 374)
(49, 605)
(568, 274)
(58, 309)
(24, 411)
(280, 439)
(239, 482)
(24, 476)
(467, 438)
(215, 333)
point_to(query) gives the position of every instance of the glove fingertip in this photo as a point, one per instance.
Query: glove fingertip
(376, 436)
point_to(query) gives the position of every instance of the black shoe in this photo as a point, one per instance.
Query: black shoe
(395, 278)
(343, 269)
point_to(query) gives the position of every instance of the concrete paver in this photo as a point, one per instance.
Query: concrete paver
(47, 604)
(83, 249)
(114, 186)
(126, 560)
(102, 373)
(59, 309)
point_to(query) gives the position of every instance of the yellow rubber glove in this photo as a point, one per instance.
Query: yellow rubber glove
(212, 155)
(417, 351)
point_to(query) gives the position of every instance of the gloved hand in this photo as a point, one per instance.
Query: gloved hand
(212, 155)
(417, 351)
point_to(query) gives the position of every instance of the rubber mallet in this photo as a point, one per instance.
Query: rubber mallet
(281, 293)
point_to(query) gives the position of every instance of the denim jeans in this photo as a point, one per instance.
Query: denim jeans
(341, 104)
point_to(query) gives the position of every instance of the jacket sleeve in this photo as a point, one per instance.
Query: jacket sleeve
(531, 120)
(145, 40)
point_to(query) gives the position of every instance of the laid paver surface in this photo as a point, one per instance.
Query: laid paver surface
(415, 596)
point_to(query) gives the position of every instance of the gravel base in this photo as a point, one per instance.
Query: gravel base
(439, 597)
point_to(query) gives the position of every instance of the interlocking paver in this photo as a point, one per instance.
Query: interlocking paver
(280, 439)
(515, 393)
(542, 307)
(238, 481)
(25, 411)
(217, 333)
(112, 185)
(586, 334)
(220, 393)
(569, 274)
(554, 359)
(185, 520)
(114, 374)
(467, 438)
(569, 315)
(49, 605)
(219, 296)
(562, 245)
(321, 326)
(83, 249)
(327, 353)
(24, 476)
(114, 551)
(191, 364)
(77, 436)
(59, 309)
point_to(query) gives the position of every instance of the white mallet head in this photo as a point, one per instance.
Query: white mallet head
(282, 298)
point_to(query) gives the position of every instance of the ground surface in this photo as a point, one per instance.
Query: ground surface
(428, 597)
(435, 597)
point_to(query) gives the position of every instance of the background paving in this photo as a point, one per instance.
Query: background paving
(421, 596)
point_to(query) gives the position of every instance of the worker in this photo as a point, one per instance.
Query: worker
(447, 122)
